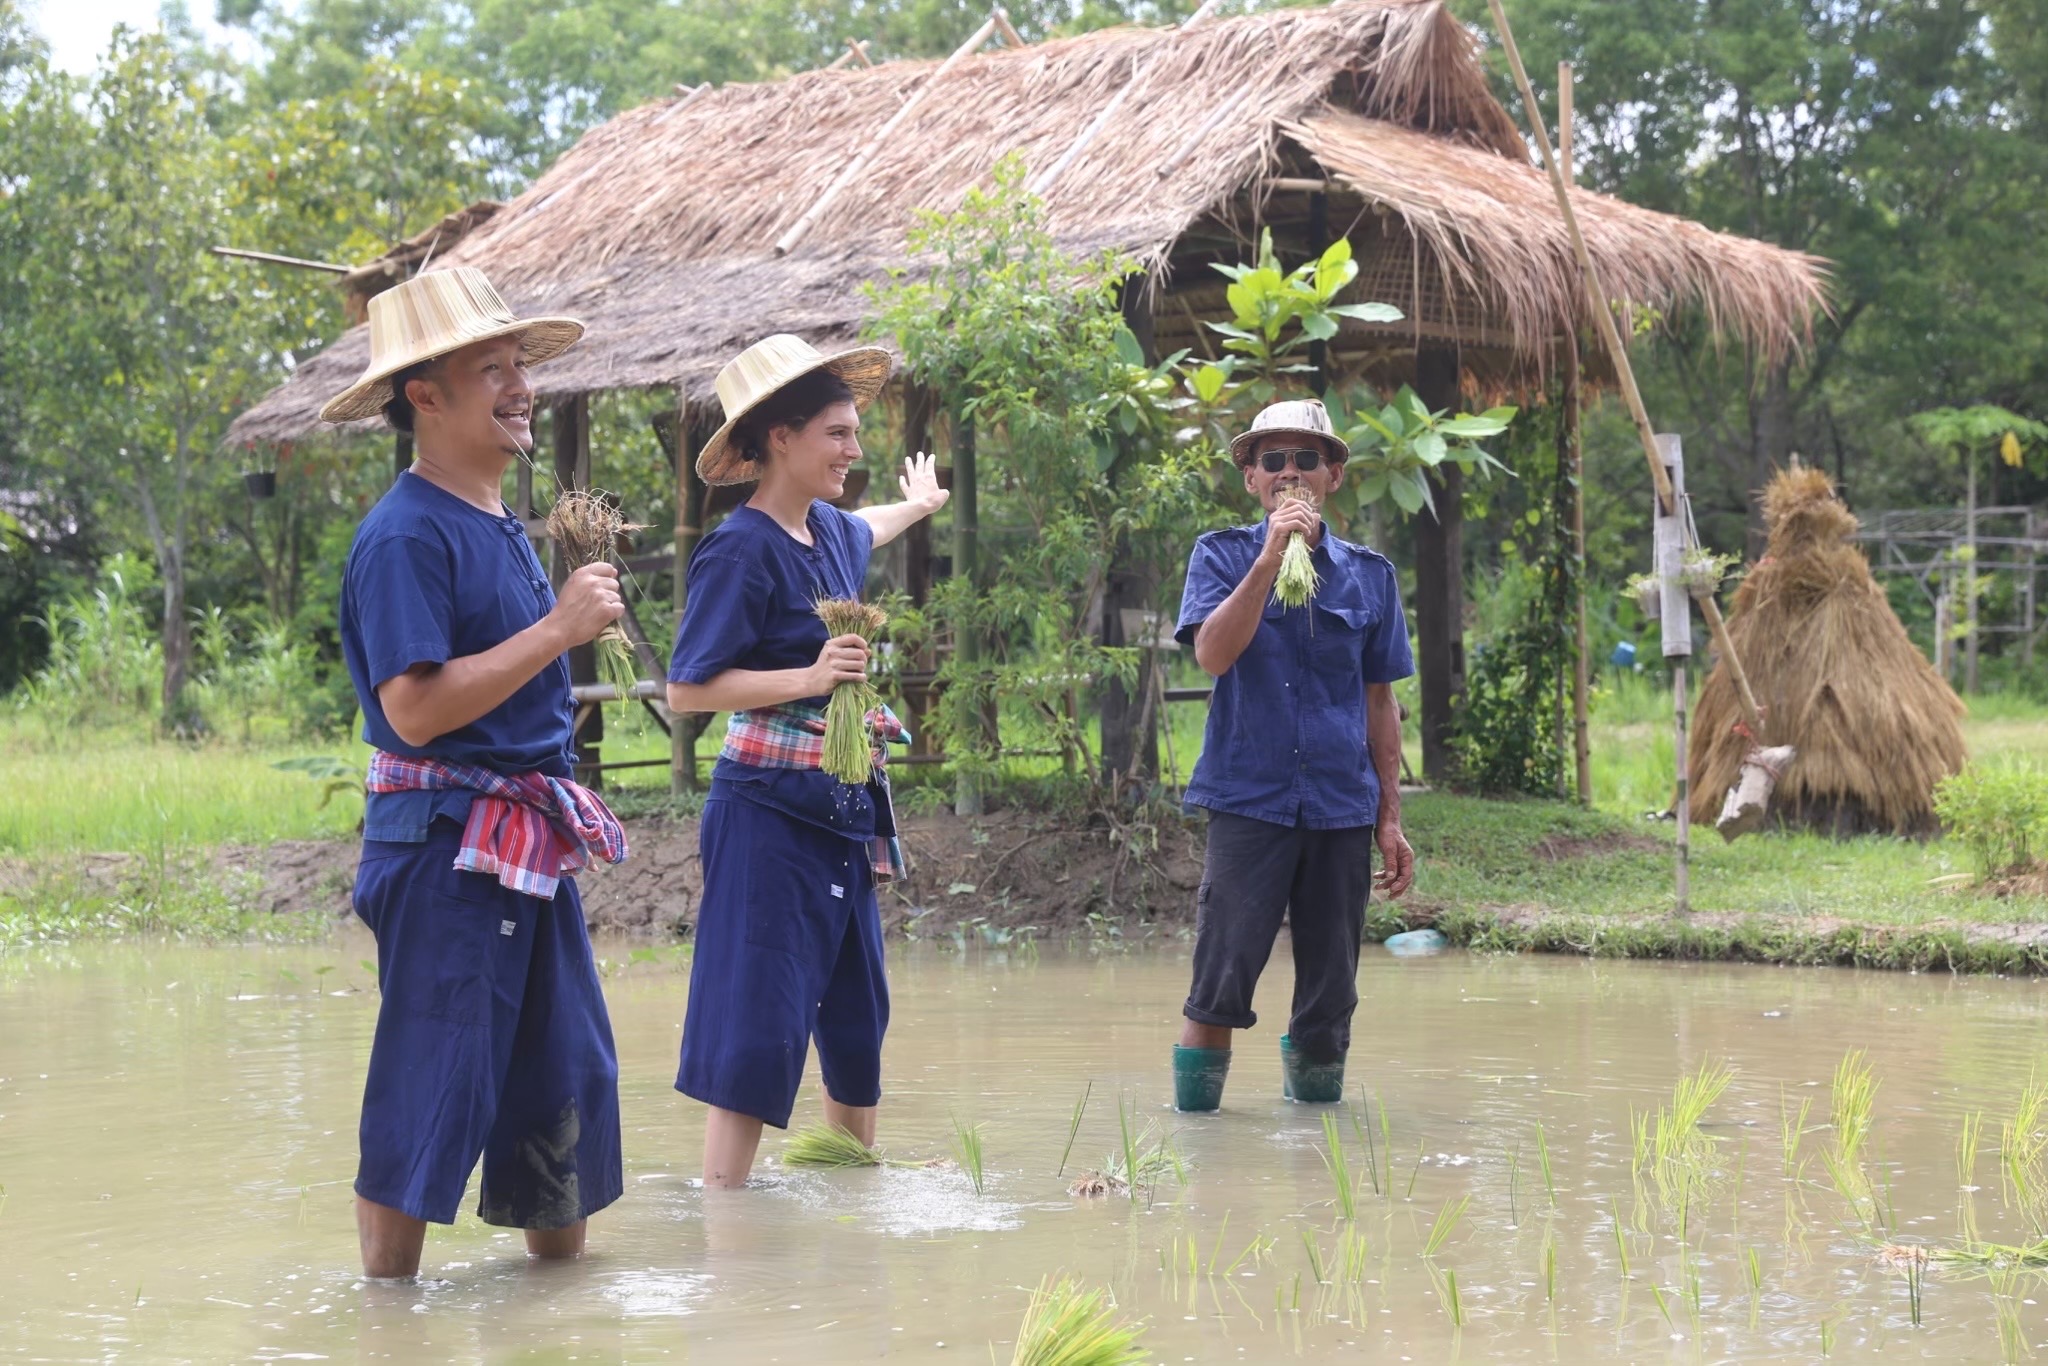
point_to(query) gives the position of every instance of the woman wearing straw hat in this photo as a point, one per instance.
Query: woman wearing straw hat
(492, 1037)
(789, 938)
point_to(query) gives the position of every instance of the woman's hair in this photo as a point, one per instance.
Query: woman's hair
(793, 406)
(398, 410)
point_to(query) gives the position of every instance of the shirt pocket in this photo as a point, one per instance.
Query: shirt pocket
(1338, 646)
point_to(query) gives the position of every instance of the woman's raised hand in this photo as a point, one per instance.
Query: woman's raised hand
(920, 483)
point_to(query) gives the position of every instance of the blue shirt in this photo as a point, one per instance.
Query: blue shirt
(432, 578)
(751, 591)
(1286, 738)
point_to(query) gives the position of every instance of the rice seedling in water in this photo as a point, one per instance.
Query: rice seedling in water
(1657, 1294)
(1543, 1160)
(1353, 1250)
(1074, 1128)
(1827, 1336)
(1144, 1160)
(1446, 1220)
(589, 528)
(1549, 1268)
(1315, 1255)
(1754, 1269)
(1340, 1169)
(828, 1146)
(1514, 1171)
(967, 1148)
(1258, 1247)
(1966, 1149)
(1217, 1250)
(2005, 1302)
(1361, 1125)
(2022, 1147)
(1854, 1095)
(1620, 1240)
(1298, 579)
(1457, 1309)
(1792, 1130)
(849, 746)
(1066, 1326)
(1414, 1171)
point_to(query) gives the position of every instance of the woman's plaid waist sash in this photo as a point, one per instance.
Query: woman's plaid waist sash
(793, 736)
(528, 829)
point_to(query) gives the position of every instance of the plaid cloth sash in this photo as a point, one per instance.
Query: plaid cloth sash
(793, 736)
(529, 829)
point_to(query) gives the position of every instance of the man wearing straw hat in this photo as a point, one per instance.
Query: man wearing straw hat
(492, 1038)
(1300, 764)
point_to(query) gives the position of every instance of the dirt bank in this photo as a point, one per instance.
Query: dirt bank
(1018, 868)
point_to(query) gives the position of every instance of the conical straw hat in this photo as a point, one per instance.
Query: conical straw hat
(756, 373)
(431, 315)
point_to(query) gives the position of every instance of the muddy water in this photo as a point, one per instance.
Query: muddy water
(177, 1138)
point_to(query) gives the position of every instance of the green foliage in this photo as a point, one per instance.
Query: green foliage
(1998, 810)
(1396, 449)
(1275, 315)
(102, 662)
(1067, 1326)
(1026, 347)
(1967, 432)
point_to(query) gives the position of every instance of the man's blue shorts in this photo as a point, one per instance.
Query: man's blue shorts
(789, 948)
(492, 1039)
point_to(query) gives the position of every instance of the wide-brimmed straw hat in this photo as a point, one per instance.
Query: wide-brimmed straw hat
(1296, 417)
(431, 315)
(753, 377)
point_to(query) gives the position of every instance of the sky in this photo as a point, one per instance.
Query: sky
(78, 30)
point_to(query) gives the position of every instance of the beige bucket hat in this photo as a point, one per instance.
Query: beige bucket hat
(431, 315)
(754, 375)
(1296, 417)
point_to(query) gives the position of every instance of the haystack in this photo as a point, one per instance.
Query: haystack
(1875, 725)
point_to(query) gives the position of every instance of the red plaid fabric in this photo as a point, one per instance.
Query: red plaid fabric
(793, 736)
(529, 829)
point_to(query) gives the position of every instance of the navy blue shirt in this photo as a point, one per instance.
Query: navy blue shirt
(1286, 738)
(432, 578)
(751, 594)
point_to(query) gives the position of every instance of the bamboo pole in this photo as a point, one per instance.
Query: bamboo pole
(1006, 28)
(1970, 575)
(272, 258)
(1603, 319)
(866, 154)
(682, 735)
(1582, 748)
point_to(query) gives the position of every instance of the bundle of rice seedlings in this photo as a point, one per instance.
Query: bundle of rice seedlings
(829, 1146)
(1067, 1326)
(1298, 579)
(588, 527)
(849, 748)
(1876, 727)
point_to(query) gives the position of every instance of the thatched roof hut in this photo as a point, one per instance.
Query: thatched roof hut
(1876, 727)
(1370, 118)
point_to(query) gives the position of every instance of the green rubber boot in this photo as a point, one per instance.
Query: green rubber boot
(1198, 1075)
(1309, 1083)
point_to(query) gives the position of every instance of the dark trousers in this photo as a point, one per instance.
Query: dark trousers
(1255, 874)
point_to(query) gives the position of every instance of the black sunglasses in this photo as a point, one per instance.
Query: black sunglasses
(1304, 458)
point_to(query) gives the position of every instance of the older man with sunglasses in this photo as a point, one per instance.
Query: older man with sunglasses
(1300, 765)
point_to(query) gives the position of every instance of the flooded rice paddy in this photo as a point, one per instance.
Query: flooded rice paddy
(177, 1135)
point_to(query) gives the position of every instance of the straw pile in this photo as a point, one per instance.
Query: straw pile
(1837, 675)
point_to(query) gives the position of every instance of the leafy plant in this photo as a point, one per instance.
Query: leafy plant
(1275, 315)
(1998, 810)
(1398, 446)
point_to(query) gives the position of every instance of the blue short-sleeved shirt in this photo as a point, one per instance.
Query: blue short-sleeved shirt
(751, 591)
(432, 578)
(1286, 736)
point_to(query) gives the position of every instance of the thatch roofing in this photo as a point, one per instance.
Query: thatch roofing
(1838, 677)
(657, 228)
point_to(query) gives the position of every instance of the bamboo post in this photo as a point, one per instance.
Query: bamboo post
(1006, 28)
(1582, 752)
(1675, 619)
(1603, 319)
(1970, 575)
(570, 430)
(859, 162)
(2032, 618)
(966, 537)
(682, 735)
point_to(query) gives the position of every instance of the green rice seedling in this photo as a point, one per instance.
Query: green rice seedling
(1549, 1269)
(1298, 579)
(1217, 1251)
(1446, 1220)
(1678, 1128)
(1989, 1257)
(1258, 1247)
(1361, 1126)
(1915, 1271)
(1827, 1336)
(967, 1148)
(1855, 1096)
(1297, 1292)
(1074, 1127)
(1340, 1170)
(1657, 1294)
(1144, 1159)
(828, 1146)
(1414, 1171)
(1639, 1137)
(1692, 1295)
(2023, 1153)
(849, 744)
(1967, 1145)
(1353, 1252)
(1754, 1269)
(1514, 1172)
(1543, 1160)
(1315, 1255)
(1620, 1240)
(1791, 1129)
(1067, 1326)
(1457, 1310)
(2005, 1302)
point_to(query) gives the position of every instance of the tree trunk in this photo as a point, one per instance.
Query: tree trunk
(1440, 581)
(177, 644)
(967, 795)
(1130, 730)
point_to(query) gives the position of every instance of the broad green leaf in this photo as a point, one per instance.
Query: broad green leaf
(1208, 382)
(1128, 348)
(1409, 491)
(1370, 313)
(1430, 448)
